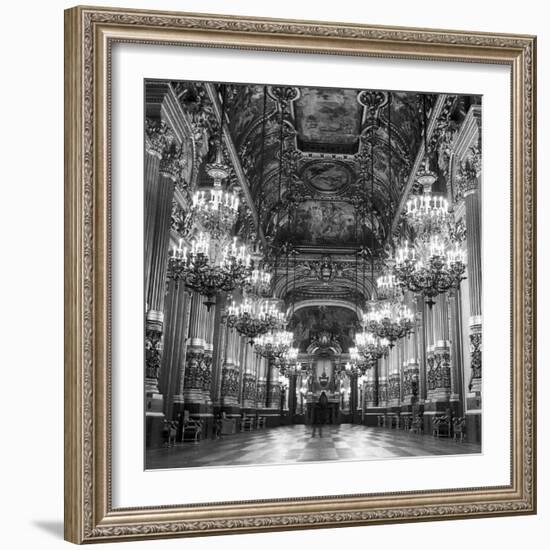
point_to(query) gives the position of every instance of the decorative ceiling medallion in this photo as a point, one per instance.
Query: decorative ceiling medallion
(327, 176)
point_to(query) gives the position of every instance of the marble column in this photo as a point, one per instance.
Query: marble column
(473, 240)
(421, 346)
(274, 388)
(249, 381)
(457, 370)
(429, 353)
(195, 369)
(394, 386)
(261, 384)
(383, 382)
(371, 386)
(230, 372)
(170, 169)
(353, 395)
(442, 351)
(220, 334)
(158, 138)
(177, 309)
(208, 337)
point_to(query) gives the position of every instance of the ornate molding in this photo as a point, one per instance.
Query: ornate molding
(181, 220)
(468, 174)
(173, 162)
(230, 382)
(89, 262)
(159, 136)
(475, 355)
(373, 101)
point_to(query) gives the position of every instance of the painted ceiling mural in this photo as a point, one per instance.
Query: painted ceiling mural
(325, 223)
(324, 326)
(328, 176)
(305, 145)
(328, 120)
(325, 168)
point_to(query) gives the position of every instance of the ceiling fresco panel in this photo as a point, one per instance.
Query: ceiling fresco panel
(327, 116)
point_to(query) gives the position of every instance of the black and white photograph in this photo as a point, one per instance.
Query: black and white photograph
(312, 274)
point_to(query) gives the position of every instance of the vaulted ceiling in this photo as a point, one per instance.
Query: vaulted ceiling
(326, 168)
(324, 172)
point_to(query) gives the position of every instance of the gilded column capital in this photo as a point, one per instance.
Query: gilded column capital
(181, 220)
(468, 174)
(173, 163)
(158, 136)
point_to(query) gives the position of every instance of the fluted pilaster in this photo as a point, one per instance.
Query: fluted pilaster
(158, 138)
(156, 272)
(473, 236)
(439, 376)
(177, 308)
(197, 372)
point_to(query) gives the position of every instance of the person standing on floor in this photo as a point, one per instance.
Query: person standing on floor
(172, 434)
(320, 411)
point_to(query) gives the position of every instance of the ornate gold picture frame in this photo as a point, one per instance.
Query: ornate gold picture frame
(90, 34)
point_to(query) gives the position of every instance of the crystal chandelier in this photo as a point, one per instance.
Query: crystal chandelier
(427, 213)
(388, 287)
(258, 283)
(390, 320)
(289, 363)
(215, 209)
(354, 365)
(431, 268)
(352, 369)
(273, 345)
(209, 266)
(369, 347)
(291, 355)
(253, 318)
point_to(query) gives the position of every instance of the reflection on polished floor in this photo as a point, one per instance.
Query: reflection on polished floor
(288, 444)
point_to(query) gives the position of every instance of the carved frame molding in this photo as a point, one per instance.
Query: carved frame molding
(89, 35)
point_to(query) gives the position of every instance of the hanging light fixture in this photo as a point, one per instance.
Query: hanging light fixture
(390, 321)
(355, 365)
(386, 318)
(215, 209)
(252, 318)
(428, 212)
(352, 369)
(258, 283)
(430, 268)
(369, 347)
(289, 362)
(273, 345)
(277, 344)
(387, 285)
(209, 266)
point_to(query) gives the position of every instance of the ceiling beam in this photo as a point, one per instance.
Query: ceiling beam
(436, 112)
(236, 162)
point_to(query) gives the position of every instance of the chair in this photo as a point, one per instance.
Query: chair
(192, 429)
(228, 426)
(442, 426)
(260, 422)
(406, 422)
(248, 423)
(459, 428)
